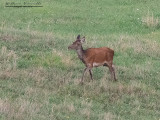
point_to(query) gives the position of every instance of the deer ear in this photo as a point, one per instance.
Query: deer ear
(78, 37)
(83, 40)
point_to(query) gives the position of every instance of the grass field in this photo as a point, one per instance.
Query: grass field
(39, 77)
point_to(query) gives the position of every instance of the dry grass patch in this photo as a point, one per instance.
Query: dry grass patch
(108, 116)
(25, 109)
(65, 59)
(8, 74)
(150, 21)
(126, 42)
(151, 47)
(8, 37)
(64, 107)
(38, 74)
(33, 33)
(5, 107)
(8, 59)
(86, 112)
(71, 107)
(138, 44)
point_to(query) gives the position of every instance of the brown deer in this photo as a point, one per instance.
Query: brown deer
(94, 57)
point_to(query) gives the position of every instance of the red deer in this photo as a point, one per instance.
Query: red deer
(94, 57)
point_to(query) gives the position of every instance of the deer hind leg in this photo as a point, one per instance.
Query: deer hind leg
(90, 72)
(113, 67)
(112, 71)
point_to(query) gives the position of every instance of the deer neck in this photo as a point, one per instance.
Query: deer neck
(80, 53)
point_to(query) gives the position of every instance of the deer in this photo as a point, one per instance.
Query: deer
(94, 57)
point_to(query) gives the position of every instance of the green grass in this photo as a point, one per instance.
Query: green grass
(39, 77)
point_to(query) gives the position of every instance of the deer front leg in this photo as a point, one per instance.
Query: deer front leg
(90, 72)
(83, 74)
(85, 70)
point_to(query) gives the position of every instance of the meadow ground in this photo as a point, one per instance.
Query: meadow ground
(39, 77)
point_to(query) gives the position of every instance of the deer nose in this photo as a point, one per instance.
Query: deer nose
(69, 47)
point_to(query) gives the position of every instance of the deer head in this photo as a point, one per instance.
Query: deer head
(77, 44)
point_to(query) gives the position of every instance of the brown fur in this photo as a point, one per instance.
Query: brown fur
(98, 55)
